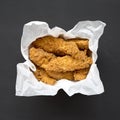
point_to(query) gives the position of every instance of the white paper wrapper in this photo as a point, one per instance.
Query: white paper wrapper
(28, 85)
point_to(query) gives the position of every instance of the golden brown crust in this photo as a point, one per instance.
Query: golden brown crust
(61, 75)
(80, 74)
(39, 56)
(81, 43)
(41, 75)
(58, 46)
(67, 63)
(57, 58)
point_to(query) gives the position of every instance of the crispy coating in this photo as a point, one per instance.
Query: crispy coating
(80, 74)
(81, 43)
(58, 46)
(39, 56)
(67, 63)
(41, 75)
(61, 75)
(57, 58)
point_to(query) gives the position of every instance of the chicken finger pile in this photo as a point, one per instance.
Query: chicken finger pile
(57, 58)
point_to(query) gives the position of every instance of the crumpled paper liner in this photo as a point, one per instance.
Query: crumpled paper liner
(28, 85)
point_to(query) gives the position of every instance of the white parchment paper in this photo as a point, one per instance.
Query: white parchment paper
(28, 85)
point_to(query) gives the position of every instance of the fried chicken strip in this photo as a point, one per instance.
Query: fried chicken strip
(67, 63)
(58, 46)
(81, 43)
(80, 74)
(41, 75)
(61, 75)
(56, 58)
(39, 56)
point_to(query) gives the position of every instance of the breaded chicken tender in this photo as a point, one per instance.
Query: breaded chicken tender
(58, 46)
(81, 43)
(80, 74)
(67, 63)
(60, 75)
(57, 58)
(41, 75)
(39, 56)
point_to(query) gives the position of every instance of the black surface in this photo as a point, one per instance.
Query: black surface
(63, 13)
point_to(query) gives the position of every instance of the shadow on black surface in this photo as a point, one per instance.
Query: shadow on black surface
(74, 105)
(60, 106)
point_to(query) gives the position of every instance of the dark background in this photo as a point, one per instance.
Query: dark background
(63, 13)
